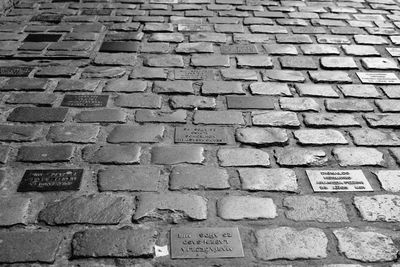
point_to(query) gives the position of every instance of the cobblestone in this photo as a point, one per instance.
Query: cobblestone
(379, 207)
(239, 207)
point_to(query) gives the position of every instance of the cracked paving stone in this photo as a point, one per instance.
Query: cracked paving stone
(365, 246)
(300, 157)
(171, 206)
(315, 208)
(260, 179)
(242, 157)
(289, 243)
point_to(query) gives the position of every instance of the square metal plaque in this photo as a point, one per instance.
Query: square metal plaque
(51, 180)
(15, 71)
(239, 49)
(378, 77)
(119, 47)
(201, 135)
(338, 180)
(85, 101)
(198, 243)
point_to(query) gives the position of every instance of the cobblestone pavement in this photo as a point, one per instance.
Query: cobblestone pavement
(277, 90)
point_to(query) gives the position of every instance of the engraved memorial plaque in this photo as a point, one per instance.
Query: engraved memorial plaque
(378, 77)
(96, 12)
(53, 18)
(338, 180)
(199, 243)
(85, 101)
(194, 74)
(238, 49)
(51, 180)
(15, 71)
(201, 134)
(393, 51)
(39, 37)
(250, 102)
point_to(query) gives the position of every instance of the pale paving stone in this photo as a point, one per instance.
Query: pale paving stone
(128, 86)
(239, 74)
(371, 137)
(383, 120)
(179, 206)
(210, 61)
(300, 157)
(358, 156)
(93, 209)
(283, 76)
(163, 61)
(271, 88)
(377, 63)
(138, 178)
(289, 243)
(348, 105)
(259, 179)
(338, 63)
(262, 136)
(144, 115)
(396, 154)
(126, 242)
(177, 154)
(360, 50)
(218, 117)
(315, 208)
(319, 137)
(298, 104)
(242, 157)
(388, 105)
(254, 61)
(330, 119)
(193, 102)
(115, 59)
(113, 154)
(379, 208)
(27, 246)
(323, 90)
(365, 246)
(73, 133)
(246, 207)
(136, 134)
(101, 115)
(275, 118)
(389, 179)
(194, 48)
(330, 77)
(14, 210)
(193, 177)
(359, 90)
(319, 49)
(392, 91)
(171, 87)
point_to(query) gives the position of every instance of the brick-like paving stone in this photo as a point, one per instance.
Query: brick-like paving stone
(199, 113)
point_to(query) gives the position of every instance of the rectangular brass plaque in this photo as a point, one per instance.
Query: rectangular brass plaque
(85, 101)
(378, 77)
(198, 243)
(338, 180)
(201, 134)
(239, 49)
(51, 180)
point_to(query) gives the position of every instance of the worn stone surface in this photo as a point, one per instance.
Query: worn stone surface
(261, 136)
(48, 153)
(275, 118)
(90, 209)
(240, 207)
(313, 208)
(173, 206)
(73, 134)
(389, 179)
(365, 246)
(177, 154)
(300, 157)
(198, 177)
(242, 157)
(136, 134)
(14, 210)
(379, 207)
(289, 243)
(319, 137)
(113, 154)
(358, 156)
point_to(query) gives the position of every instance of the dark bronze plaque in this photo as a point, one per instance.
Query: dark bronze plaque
(201, 134)
(239, 49)
(250, 102)
(198, 243)
(94, 12)
(51, 180)
(378, 77)
(39, 37)
(85, 101)
(15, 71)
(119, 47)
(194, 74)
(53, 18)
(338, 180)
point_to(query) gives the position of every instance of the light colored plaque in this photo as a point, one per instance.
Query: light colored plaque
(338, 180)
(378, 77)
(198, 243)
